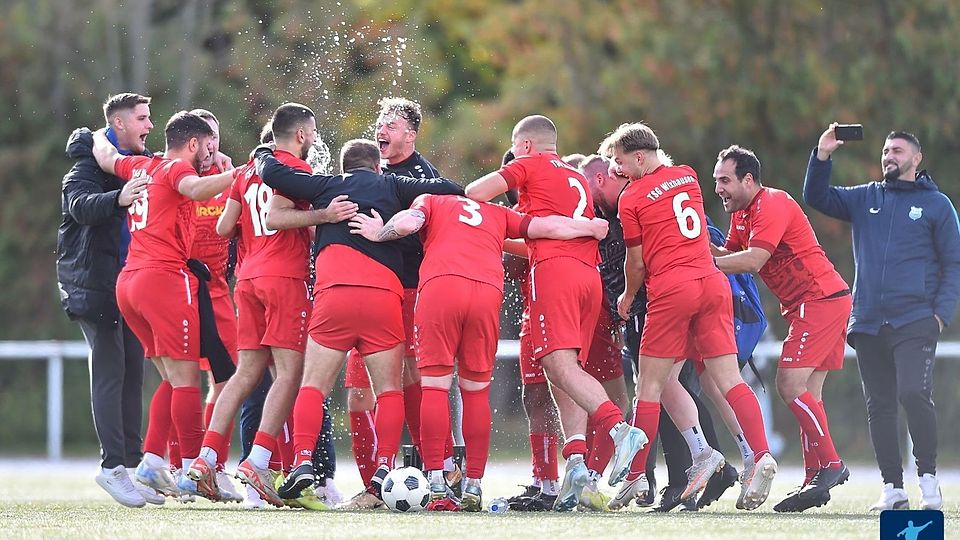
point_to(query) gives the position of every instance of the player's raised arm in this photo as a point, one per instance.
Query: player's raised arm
(104, 152)
(286, 179)
(201, 188)
(487, 187)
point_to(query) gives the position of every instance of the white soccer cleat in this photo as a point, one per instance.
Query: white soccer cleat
(629, 490)
(158, 478)
(756, 481)
(253, 500)
(575, 478)
(116, 482)
(891, 498)
(149, 494)
(628, 440)
(700, 472)
(228, 491)
(930, 496)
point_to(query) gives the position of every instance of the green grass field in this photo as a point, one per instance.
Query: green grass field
(62, 501)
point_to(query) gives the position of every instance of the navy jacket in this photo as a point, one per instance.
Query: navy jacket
(906, 246)
(88, 240)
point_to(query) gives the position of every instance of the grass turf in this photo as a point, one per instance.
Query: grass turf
(40, 500)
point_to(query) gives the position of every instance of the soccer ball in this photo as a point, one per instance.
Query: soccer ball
(406, 490)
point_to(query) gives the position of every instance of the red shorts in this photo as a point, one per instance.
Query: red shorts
(161, 308)
(366, 318)
(604, 360)
(272, 312)
(690, 318)
(457, 318)
(356, 375)
(565, 297)
(818, 332)
(409, 302)
(531, 370)
(226, 316)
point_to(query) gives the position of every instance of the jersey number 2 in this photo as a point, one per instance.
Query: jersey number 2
(258, 197)
(687, 218)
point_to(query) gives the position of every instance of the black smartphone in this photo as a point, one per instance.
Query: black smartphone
(849, 132)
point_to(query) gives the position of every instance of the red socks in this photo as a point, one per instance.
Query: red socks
(745, 405)
(159, 423)
(224, 450)
(188, 419)
(307, 423)
(813, 424)
(363, 441)
(412, 395)
(600, 444)
(435, 422)
(543, 448)
(576, 444)
(388, 425)
(811, 463)
(173, 445)
(646, 416)
(476, 429)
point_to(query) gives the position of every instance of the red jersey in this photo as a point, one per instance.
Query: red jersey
(161, 222)
(266, 252)
(208, 246)
(464, 238)
(663, 212)
(550, 187)
(798, 270)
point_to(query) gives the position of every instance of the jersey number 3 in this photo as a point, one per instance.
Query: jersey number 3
(687, 218)
(472, 209)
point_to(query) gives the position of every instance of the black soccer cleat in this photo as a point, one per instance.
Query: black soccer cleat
(823, 482)
(793, 502)
(299, 479)
(720, 482)
(518, 501)
(670, 498)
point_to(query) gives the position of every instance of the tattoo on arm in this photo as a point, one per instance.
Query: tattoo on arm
(387, 233)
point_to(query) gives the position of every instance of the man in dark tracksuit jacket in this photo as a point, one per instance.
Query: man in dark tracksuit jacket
(89, 258)
(906, 245)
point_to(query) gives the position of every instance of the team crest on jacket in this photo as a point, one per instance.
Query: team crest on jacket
(915, 212)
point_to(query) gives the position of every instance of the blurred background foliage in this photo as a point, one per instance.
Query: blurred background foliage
(766, 74)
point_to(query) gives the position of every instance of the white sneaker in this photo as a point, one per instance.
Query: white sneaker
(627, 440)
(158, 478)
(891, 498)
(151, 495)
(253, 500)
(756, 483)
(629, 490)
(930, 496)
(331, 493)
(228, 491)
(117, 483)
(703, 468)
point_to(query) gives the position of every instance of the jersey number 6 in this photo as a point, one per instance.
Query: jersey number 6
(687, 218)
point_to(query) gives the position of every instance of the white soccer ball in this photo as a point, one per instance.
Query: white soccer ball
(406, 490)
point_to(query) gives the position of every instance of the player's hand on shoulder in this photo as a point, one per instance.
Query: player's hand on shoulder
(366, 226)
(340, 208)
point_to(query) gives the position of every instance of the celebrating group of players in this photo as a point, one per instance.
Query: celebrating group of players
(407, 290)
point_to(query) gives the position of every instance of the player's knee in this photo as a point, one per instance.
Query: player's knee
(789, 389)
(473, 381)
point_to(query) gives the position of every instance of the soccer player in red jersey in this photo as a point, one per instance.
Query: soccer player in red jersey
(457, 316)
(352, 272)
(155, 291)
(688, 300)
(770, 234)
(565, 294)
(211, 249)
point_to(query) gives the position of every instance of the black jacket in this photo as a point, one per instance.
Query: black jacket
(88, 241)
